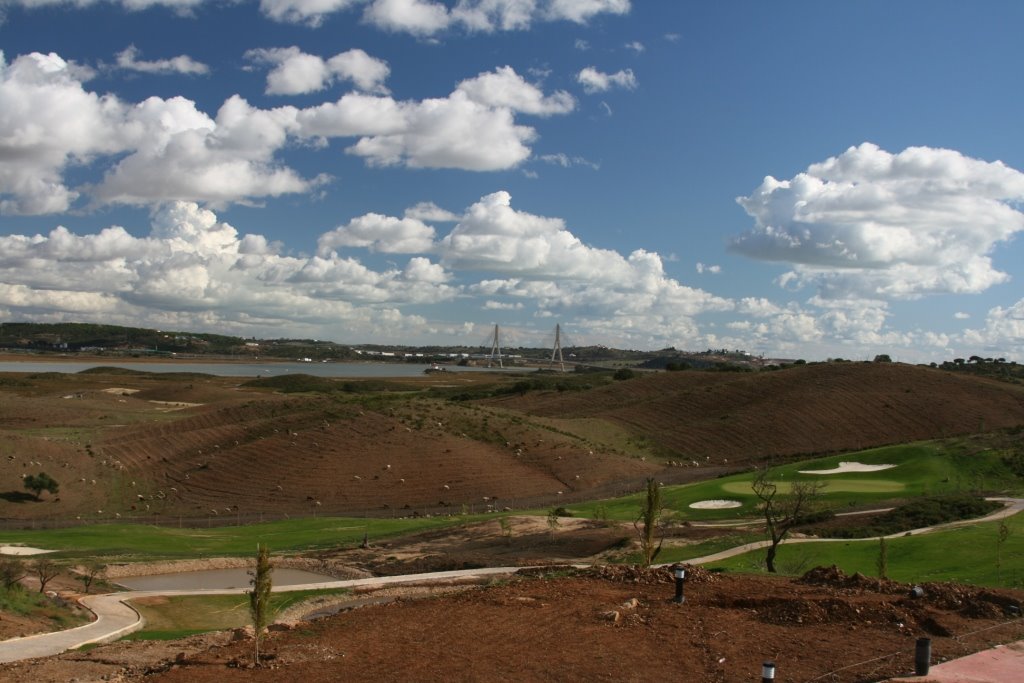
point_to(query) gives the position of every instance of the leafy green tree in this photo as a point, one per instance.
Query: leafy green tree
(37, 483)
(648, 523)
(883, 358)
(259, 597)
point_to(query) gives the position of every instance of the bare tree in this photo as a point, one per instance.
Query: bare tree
(783, 512)
(648, 523)
(45, 570)
(259, 596)
(90, 572)
(12, 570)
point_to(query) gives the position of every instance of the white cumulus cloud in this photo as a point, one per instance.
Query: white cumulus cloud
(380, 233)
(296, 72)
(594, 81)
(581, 11)
(505, 88)
(1002, 336)
(539, 259)
(128, 59)
(422, 18)
(160, 150)
(877, 224)
(418, 17)
(309, 12)
(429, 211)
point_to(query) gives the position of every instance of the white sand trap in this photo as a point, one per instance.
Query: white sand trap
(850, 467)
(120, 391)
(715, 504)
(175, 405)
(22, 550)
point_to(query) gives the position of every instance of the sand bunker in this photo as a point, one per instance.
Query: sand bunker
(22, 550)
(175, 405)
(715, 504)
(849, 467)
(120, 391)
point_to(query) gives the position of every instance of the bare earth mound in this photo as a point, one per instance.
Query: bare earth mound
(610, 623)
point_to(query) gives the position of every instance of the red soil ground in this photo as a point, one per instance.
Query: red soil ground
(611, 624)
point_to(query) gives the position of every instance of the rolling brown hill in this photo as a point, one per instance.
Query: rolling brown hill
(140, 445)
(805, 410)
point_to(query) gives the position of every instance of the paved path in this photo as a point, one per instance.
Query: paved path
(115, 618)
(1001, 664)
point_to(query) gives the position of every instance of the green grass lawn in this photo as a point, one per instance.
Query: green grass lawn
(131, 542)
(928, 468)
(183, 615)
(965, 554)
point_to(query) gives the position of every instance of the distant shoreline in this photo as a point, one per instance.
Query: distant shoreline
(35, 357)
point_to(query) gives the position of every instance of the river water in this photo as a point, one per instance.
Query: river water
(217, 578)
(269, 369)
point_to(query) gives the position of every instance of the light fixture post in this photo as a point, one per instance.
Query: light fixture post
(679, 572)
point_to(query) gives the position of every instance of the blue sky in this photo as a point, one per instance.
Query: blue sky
(794, 179)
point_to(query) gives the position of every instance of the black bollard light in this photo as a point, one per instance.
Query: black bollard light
(680, 573)
(768, 672)
(923, 656)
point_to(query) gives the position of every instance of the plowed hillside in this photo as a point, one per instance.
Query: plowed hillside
(138, 445)
(309, 454)
(819, 408)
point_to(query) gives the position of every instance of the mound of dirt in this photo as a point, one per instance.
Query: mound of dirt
(615, 624)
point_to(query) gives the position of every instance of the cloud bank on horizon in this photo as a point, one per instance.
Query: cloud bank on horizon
(858, 235)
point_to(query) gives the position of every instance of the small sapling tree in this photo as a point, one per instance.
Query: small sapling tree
(506, 529)
(37, 483)
(553, 521)
(648, 523)
(259, 597)
(782, 512)
(1001, 535)
(882, 561)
